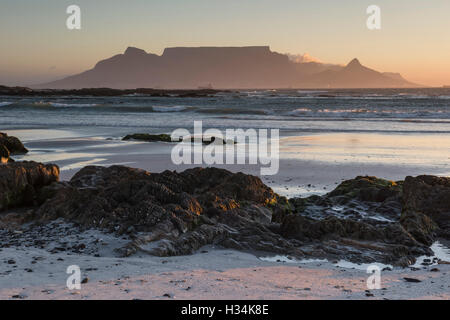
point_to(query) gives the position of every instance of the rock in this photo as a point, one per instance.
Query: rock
(148, 137)
(10, 145)
(21, 182)
(412, 280)
(4, 154)
(364, 213)
(391, 241)
(102, 92)
(177, 212)
(13, 144)
(368, 189)
(171, 213)
(85, 280)
(167, 138)
(426, 208)
(375, 197)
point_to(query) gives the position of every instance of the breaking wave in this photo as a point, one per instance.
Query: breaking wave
(369, 113)
(95, 107)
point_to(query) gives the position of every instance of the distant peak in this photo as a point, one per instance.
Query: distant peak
(354, 63)
(134, 51)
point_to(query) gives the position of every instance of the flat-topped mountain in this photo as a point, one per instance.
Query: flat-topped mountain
(224, 68)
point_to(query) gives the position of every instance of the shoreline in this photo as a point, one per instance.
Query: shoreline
(211, 273)
(30, 272)
(306, 163)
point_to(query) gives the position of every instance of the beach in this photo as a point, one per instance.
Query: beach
(212, 273)
(317, 153)
(309, 164)
(223, 155)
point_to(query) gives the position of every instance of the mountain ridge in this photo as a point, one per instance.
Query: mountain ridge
(253, 67)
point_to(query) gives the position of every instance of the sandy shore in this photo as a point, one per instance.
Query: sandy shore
(210, 274)
(312, 164)
(309, 165)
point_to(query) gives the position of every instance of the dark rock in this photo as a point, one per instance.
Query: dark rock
(394, 244)
(179, 212)
(10, 145)
(108, 92)
(148, 137)
(426, 208)
(21, 182)
(167, 138)
(412, 280)
(85, 280)
(13, 144)
(4, 154)
(361, 213)
(170, 213)
(368, 189)
(376, 198)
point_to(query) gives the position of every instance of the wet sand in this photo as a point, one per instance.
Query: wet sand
(309, 164)
(210, 274)
(312, 164)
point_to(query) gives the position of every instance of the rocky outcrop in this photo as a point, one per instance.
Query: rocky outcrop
(363, 220)
(177, 213)
(364, 212)
(4, 154)
(167, 138)
(108, 92)
(171, 213)
(8, 146)
(360, 199)
(22, 183)
(13, 144)
(367, 188)
(426, 207)
(148, 137)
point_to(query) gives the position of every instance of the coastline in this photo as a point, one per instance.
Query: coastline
(309, 164)
(210, 272)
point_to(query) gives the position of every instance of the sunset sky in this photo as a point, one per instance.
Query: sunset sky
(37, 46)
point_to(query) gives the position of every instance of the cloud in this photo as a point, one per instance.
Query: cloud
(303, 58)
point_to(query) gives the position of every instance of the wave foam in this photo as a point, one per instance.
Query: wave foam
(170, 108)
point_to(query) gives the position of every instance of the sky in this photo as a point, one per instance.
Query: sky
(37, 47)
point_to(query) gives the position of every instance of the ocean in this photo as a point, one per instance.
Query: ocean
(326, 136)
(291, 111)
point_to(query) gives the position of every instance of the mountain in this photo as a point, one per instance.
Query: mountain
(355, 75)
(224, 68)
